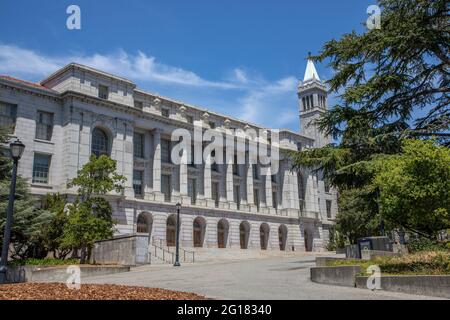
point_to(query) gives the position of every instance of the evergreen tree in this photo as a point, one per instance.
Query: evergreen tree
(28, 219)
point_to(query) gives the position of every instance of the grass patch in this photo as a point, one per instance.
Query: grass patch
(423, 263)
(44, 262)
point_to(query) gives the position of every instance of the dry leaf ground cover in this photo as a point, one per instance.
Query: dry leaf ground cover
(59, 291)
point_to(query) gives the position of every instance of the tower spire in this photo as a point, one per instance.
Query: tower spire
(310, 72)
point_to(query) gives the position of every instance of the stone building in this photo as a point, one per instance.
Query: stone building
(78, 111)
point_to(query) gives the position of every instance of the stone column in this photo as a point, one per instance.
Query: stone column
(223, 204)
(311, 204)
(157, 165)
(185, 198)
(230, 184)
(148, 174)
(268, 188)
(207, 183)
(249, 181)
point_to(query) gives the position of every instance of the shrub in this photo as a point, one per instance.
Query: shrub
(425, 244)
(43, 262)
(425, 262)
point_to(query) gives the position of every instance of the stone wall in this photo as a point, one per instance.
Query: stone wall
(128, 250)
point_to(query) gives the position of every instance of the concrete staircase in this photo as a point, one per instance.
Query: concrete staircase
(162, 254)
(229, 254)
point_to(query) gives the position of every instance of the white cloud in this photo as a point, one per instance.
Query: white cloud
(273, 103)
(248, 95)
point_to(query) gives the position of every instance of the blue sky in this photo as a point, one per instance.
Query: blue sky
(241, 58)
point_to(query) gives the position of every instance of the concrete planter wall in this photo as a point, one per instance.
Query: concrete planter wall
(128, 250)
(437, 286)
(323, 261)
(341, 275)
(58, 273)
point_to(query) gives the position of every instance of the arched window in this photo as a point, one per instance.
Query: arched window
(99, 144)
(144, 223)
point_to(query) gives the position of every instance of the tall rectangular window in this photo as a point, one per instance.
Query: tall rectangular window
(215, 193)
(165, 150)
(44, 125)
(274, 178)
(190, 119)
(166, 187)
(237, 196)
(8, 114)
(137, 183)
(327, 186)
(103, 91)
(256, 198)
(235, 165)
(138, 145)
(328, 208)
(274, 200)
(192, 190)
(255, 172)
(41, 166)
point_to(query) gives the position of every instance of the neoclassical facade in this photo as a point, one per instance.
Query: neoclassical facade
(79, 111)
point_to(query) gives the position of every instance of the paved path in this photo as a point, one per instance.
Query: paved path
(270, 278)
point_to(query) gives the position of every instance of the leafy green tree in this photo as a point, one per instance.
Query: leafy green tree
(52, 232)
(415, 186)
(90, 217)
(97, 177)
(389, 74)
(384, 78)
(358, 214)
(28, 219)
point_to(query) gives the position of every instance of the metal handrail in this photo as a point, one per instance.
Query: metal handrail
(162, 245)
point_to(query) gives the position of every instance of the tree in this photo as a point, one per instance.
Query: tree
(97, 177)
(358, 214)
(415, 186)
(90, 216)
(28, 218)
(383, 78)
(388, 74)
(52, 233)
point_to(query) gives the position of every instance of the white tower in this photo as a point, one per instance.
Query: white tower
(312, 95)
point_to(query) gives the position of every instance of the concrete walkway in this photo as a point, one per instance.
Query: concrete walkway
(277, 278)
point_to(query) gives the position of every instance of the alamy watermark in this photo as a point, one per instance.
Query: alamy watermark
(374, 20)
(374, 280)
(73, 281)
(232, 146)
(73, 21)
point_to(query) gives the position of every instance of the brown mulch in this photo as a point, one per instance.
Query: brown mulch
(59, 291)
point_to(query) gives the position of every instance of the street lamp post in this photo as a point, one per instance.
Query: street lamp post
(177, 248)
(16, 149)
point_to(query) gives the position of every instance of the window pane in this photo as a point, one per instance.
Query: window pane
(215, 193)
(237, 196)
(44, 125)
(102, 92)
(8, 113)
(165, 187)
(41, 167)
(99, 142)
(138, 145)
(192, 190)
(256, 198)
(328, 208)
(137, 182)
(165, 151)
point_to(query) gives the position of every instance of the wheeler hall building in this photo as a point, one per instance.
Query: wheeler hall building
(78, 111)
